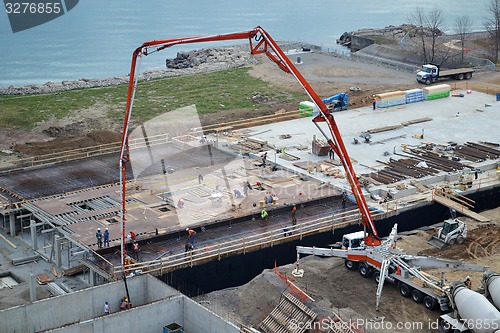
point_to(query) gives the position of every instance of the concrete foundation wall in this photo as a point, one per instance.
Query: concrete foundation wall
(199, 319)
(82, 305)
(149, 318)
(154, 317)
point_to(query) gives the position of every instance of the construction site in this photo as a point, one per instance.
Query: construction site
(379, 218)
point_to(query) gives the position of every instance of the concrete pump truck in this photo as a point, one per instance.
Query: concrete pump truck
(371, 256)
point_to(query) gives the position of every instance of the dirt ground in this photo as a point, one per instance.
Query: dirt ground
(327, 74)
(338, 290)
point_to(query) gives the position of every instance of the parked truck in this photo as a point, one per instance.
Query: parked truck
(387, 263)
(491, 286)
(430, 73)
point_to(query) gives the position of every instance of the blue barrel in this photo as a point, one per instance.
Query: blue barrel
(299, 60)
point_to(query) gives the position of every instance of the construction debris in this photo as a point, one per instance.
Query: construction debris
(289, 157)
(320, 147)
(44, 278)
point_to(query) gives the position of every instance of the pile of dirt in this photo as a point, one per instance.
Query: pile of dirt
(484, 241)
(333, 288)
(346, 293)
(94, 138)
(248, 304)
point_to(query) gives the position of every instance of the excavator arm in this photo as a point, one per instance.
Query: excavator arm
(260, 43)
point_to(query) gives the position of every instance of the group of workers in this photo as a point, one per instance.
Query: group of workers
(100, 237)
(124, 304)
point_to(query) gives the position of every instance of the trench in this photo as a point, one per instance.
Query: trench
(239, 269)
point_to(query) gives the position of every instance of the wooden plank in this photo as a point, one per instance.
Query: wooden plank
(418, 186)
(382, 129)
(415, 121)
(461, 209)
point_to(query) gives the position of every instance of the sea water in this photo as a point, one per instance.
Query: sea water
(96, 38)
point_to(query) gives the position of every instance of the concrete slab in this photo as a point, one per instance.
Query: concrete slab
(454, 119)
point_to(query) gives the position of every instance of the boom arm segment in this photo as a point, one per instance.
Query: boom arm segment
(260, 42)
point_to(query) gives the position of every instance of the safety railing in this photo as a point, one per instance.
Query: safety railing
(242, 245)
(490, 89)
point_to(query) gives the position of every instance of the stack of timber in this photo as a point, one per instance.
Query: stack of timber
(438, 91)
(390, 99)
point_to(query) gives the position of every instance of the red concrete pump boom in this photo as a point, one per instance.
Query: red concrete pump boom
(260, 42)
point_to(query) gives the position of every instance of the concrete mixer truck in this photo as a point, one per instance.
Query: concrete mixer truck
(491, 285)
(472, 312)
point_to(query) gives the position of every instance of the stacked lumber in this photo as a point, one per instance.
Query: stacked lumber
(390, 99)
(437, 91)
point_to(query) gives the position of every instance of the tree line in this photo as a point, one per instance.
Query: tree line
(429, 25)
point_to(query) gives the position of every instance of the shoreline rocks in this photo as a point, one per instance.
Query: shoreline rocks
(185, 63)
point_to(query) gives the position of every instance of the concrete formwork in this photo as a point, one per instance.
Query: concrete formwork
(81, 306)
(155, 305)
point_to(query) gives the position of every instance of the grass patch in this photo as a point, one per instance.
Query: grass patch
(211, 92)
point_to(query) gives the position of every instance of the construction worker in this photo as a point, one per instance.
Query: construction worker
(263, 214)
(188, 247)
(180, 203)
(374, 102)
(124, 302)
(107, 309)
(468, 282)
(98, 236)
(129, 242)
(136, 250)
(294, 217)
(106, 238)
(191, 236)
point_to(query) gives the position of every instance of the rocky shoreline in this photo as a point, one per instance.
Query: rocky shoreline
(186, 63)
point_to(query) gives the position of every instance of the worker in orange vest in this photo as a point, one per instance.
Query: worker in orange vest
(374, 102)
(191, 236)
